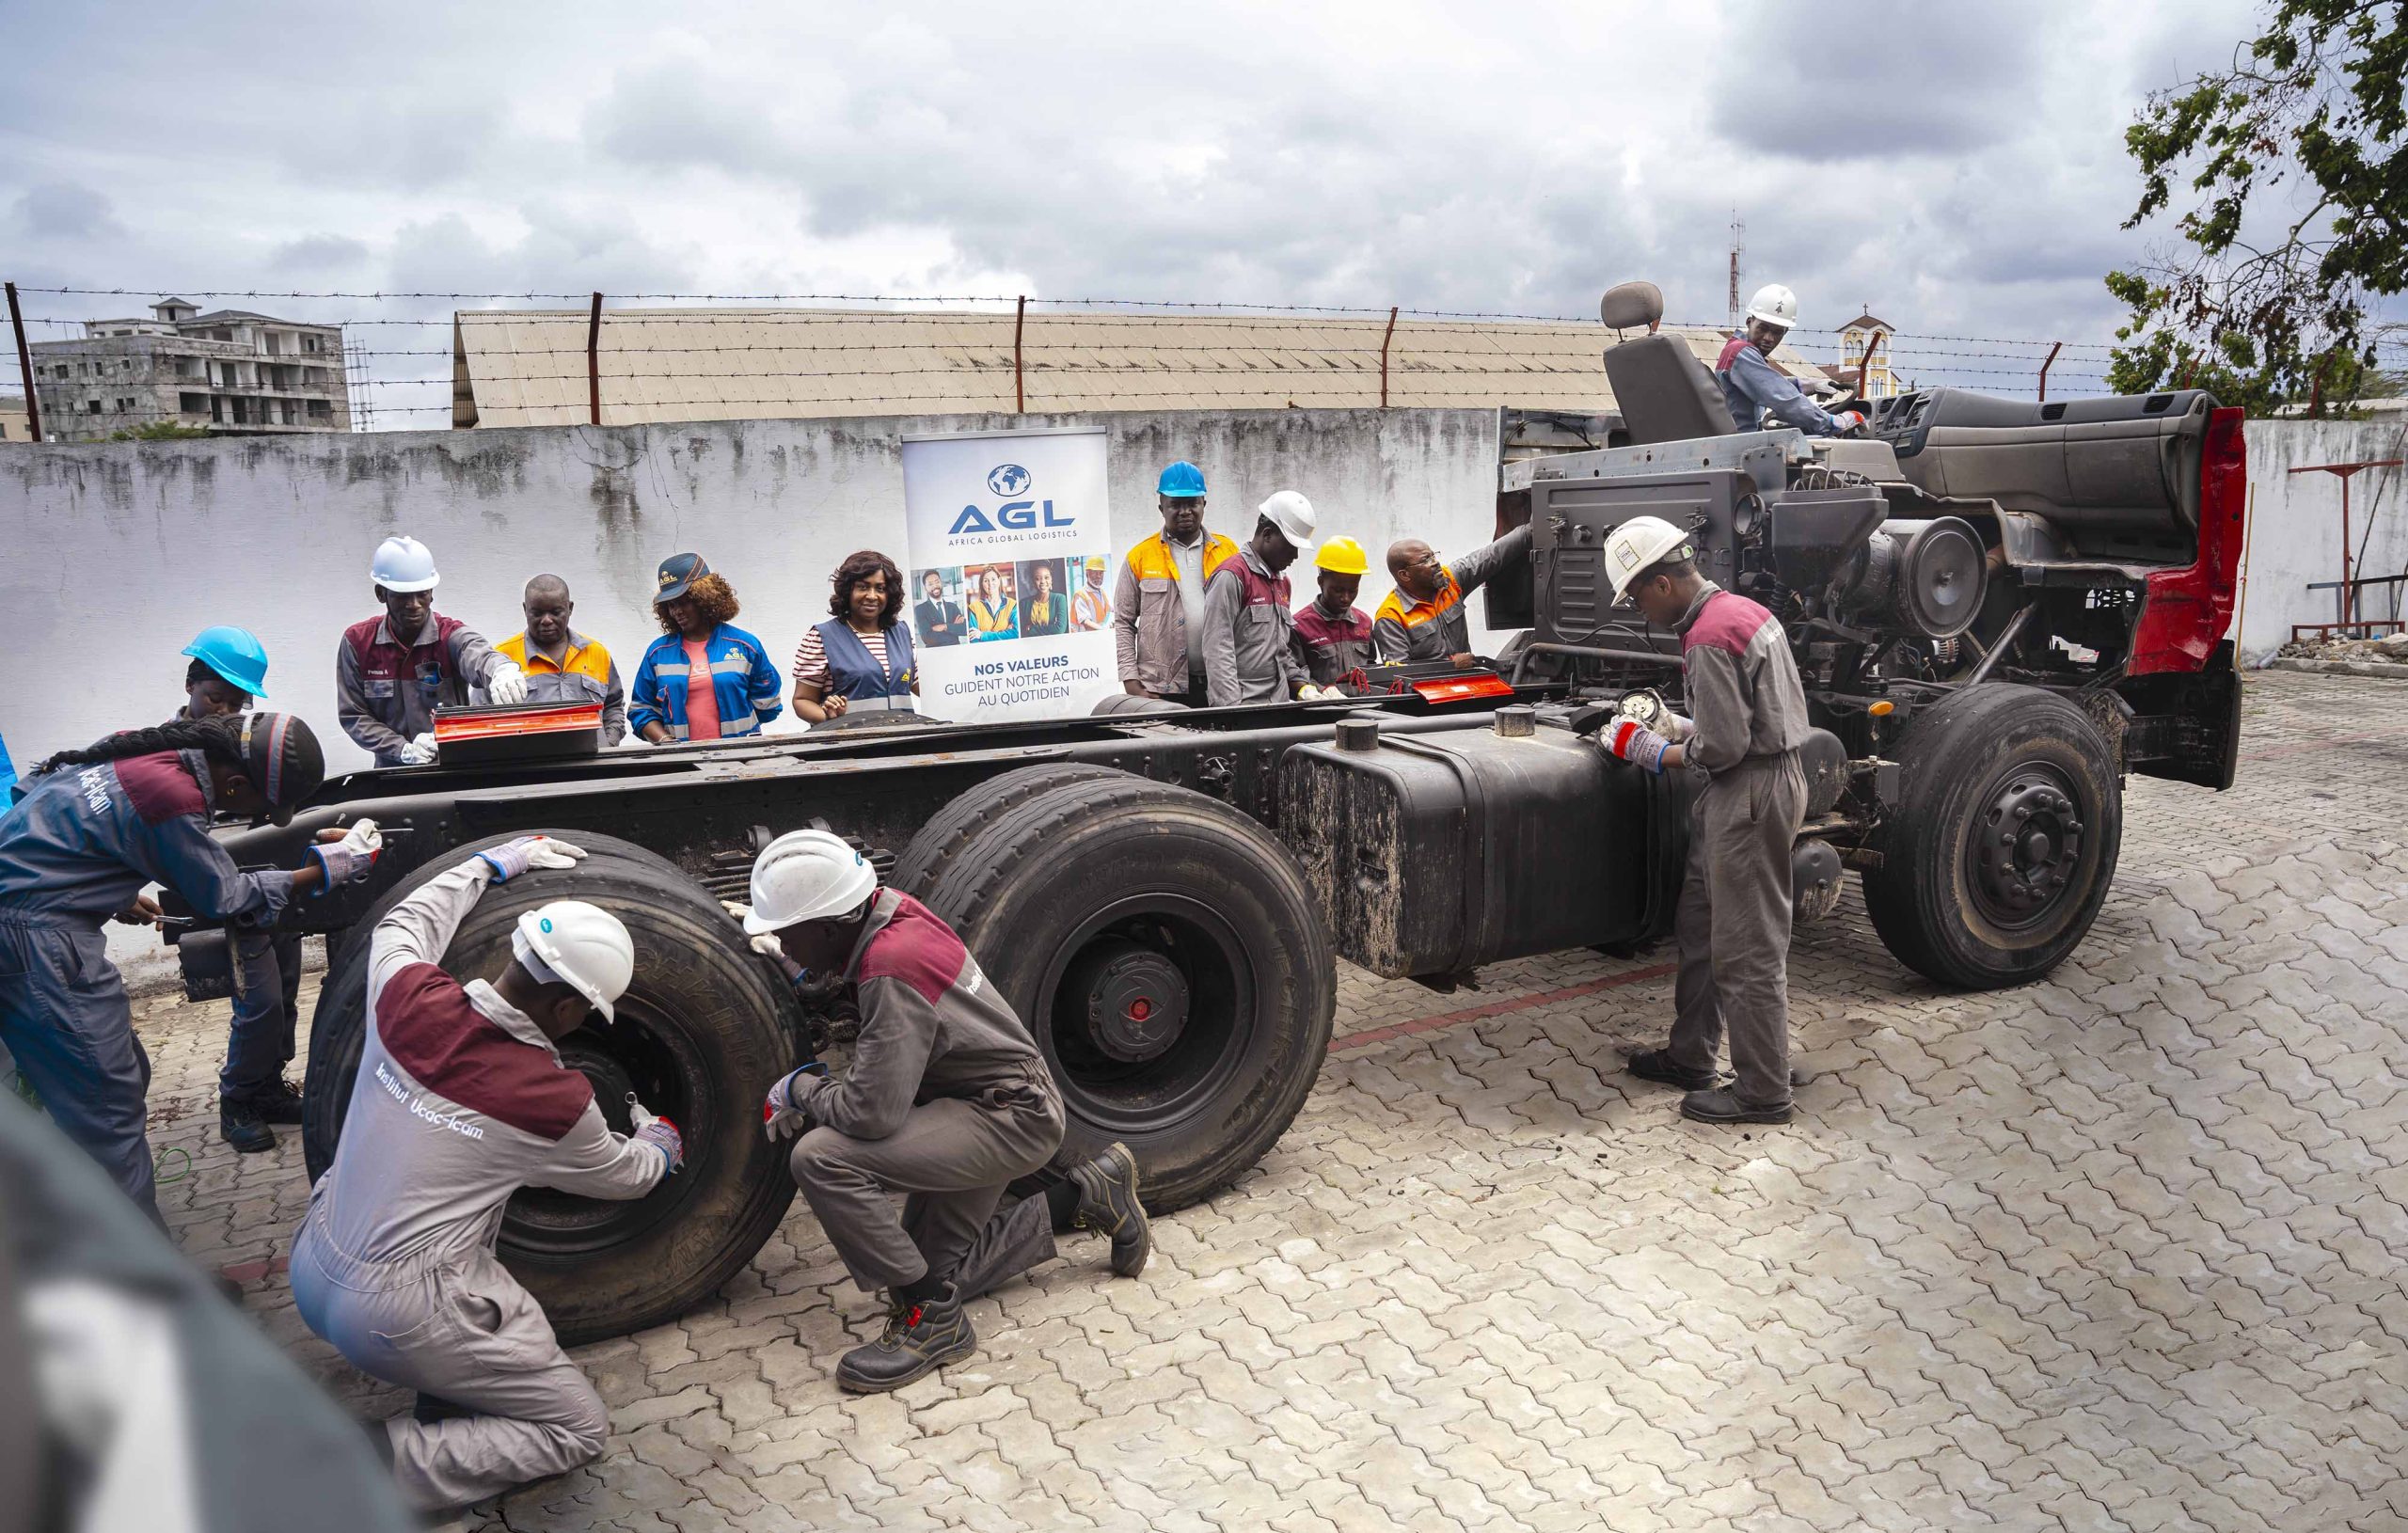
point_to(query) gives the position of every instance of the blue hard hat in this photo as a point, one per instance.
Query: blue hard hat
(1182, 481)
(234, 653)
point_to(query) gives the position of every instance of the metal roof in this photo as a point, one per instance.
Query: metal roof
(528, 368)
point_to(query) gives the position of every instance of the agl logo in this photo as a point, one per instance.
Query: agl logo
(1012, 516)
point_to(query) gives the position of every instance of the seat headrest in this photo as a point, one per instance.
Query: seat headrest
(1631, 306)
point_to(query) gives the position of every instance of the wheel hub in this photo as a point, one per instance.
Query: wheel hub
(610, 1079)
(2030, 845)
(1135, 1000)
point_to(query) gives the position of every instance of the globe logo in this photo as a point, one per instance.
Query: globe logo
(1007, 480)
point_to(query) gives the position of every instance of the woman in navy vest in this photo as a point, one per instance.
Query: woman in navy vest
(860, 658)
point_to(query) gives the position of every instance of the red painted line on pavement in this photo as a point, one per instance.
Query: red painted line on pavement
(251, 1272)
(1500, 1008)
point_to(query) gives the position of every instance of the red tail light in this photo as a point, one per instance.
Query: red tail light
(2185, 613)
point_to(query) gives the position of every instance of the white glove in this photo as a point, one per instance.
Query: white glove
(363, 839)
(419, 752)
(1848, 420)
(509, 686)
(1675, 728)
(512, 858)
(765, 943)
(1309, 693)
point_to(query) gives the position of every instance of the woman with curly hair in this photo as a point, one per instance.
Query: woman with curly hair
(94, 829)
(704, 678)
(860, 658)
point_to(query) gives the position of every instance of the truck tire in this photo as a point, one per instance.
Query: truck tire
(943, 837)
(1999, 855)
(699, 1035)
(1100, 903)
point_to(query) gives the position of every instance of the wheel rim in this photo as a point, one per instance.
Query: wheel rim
(1148, 1008)
(633, 1052)
(2025, 853)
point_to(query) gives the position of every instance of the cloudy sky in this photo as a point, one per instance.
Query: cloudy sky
(1957, 167)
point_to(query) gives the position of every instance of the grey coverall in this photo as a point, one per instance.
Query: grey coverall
(386, 691)
(81, 844)
(946, 1101)
(1753, 387)
(1733, 920)
(1249, 635)
(461, 1100)
(1157, 604)
(1405, 629)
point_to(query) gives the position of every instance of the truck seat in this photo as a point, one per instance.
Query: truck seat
(1664, 392)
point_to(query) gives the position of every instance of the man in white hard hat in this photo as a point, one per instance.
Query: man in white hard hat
(462, 1099)
(392, 671)
(1733, 921)
(946, 1101)
(1249, 632)
(1754, 388)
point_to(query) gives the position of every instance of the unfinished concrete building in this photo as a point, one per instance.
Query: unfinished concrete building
(229, 370)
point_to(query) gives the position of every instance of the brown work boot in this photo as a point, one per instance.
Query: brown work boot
(1724, 1106)
(1108, 1205)
(918, 1341)
(1658, 1064)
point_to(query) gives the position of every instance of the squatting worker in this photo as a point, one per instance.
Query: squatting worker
(228, 674)
(1248, 631)
(861, 657)
(1424, 617)
(563, 665)
(1733, 921)
(1159, 603)
(462, 1099)
(1753, 387)
(704, 678)
(946, 1101)
(391, 672)
(94, 828)
(1332, 635)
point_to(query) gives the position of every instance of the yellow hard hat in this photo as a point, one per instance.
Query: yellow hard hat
(1343, 556)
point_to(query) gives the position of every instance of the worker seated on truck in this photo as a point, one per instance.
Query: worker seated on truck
(1754, 388)
(563, 665)
(1158, 607)
(1733, 920)
(946, 1101)
(391, 672)
(1332, 635)
(1249, 633)
(1424, 617)
(462, 1098)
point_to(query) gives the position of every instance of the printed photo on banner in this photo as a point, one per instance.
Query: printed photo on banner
(994, 611)
(938, 616)
(1044, 605)
(1090, 599)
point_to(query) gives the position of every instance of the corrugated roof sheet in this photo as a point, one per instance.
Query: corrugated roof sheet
(528, 368)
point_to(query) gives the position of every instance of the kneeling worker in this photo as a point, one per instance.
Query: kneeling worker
(461, 1100)
(1733, 921)
(1249, 633)
(948, 1101)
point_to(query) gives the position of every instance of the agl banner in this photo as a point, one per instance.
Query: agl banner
(1010, 571)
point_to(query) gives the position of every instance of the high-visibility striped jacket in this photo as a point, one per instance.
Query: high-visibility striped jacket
(742, 679)
(1410, 630)
(585, 674)
(1149, 636)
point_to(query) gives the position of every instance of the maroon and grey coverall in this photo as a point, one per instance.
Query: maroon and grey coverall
(461, 1100)
(946, 1101)
(1733, 921)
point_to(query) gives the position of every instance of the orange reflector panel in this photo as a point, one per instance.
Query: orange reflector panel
(1455, 689)
(496, 723)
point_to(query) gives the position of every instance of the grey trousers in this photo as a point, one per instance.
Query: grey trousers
(462, 1329)
(952, 1160)
(267, 992)
(1733, 927)
(64, 1014)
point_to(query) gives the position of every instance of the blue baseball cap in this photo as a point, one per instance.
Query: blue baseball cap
(1182, 481)
(677, 572)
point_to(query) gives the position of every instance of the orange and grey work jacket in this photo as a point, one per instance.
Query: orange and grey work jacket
(1433, 629)
(1149, 634)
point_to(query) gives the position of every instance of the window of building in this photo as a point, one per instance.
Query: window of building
(317, 410)
(312, 344)
(193, 404)
(62, 369)
(91, 406)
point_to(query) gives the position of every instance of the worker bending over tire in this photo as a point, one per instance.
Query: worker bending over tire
(462, 1099)
(948, 1101)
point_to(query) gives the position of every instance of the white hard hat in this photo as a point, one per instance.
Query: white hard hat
(1774, 304)
(807, 875)
(1639, 543)
(584, 946)
(1292, 514)
(403, 564)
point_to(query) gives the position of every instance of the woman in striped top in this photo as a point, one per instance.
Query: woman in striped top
(861, 657)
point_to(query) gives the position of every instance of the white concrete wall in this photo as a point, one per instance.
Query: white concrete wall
(2295, 523)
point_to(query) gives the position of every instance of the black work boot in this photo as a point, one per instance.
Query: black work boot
(919, 1339)
(1108, 1205)
(1658, 1064)
(1724, 1106)
(278, 1103)
(239, 1124)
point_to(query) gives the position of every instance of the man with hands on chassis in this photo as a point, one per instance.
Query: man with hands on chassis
(946, 1101)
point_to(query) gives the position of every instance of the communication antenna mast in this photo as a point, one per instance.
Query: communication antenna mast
(1737, 231)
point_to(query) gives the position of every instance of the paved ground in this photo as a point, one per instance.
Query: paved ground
(2122, 1250)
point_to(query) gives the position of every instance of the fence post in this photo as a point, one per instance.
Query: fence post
(2055, 347)
(594, 364)
(24, 365)
(1384, 358)
(1020, 380)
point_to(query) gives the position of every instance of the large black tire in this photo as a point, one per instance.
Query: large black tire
(700, 1034)
(1165, 950)
(1996, 861)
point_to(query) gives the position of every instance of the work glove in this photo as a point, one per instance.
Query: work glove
(509, 686)
(780, 1117)
(662, 1135)
(512, 858)
(419, 752)
(1633, 742)
(1675, 728)
(1309, 692)
(1848, 420)
(765, 943)
(348, 861)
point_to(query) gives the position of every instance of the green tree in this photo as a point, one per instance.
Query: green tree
(2305, 126)
(159, 431)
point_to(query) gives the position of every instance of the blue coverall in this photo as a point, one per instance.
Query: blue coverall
(1751, 386)
(81, 845)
